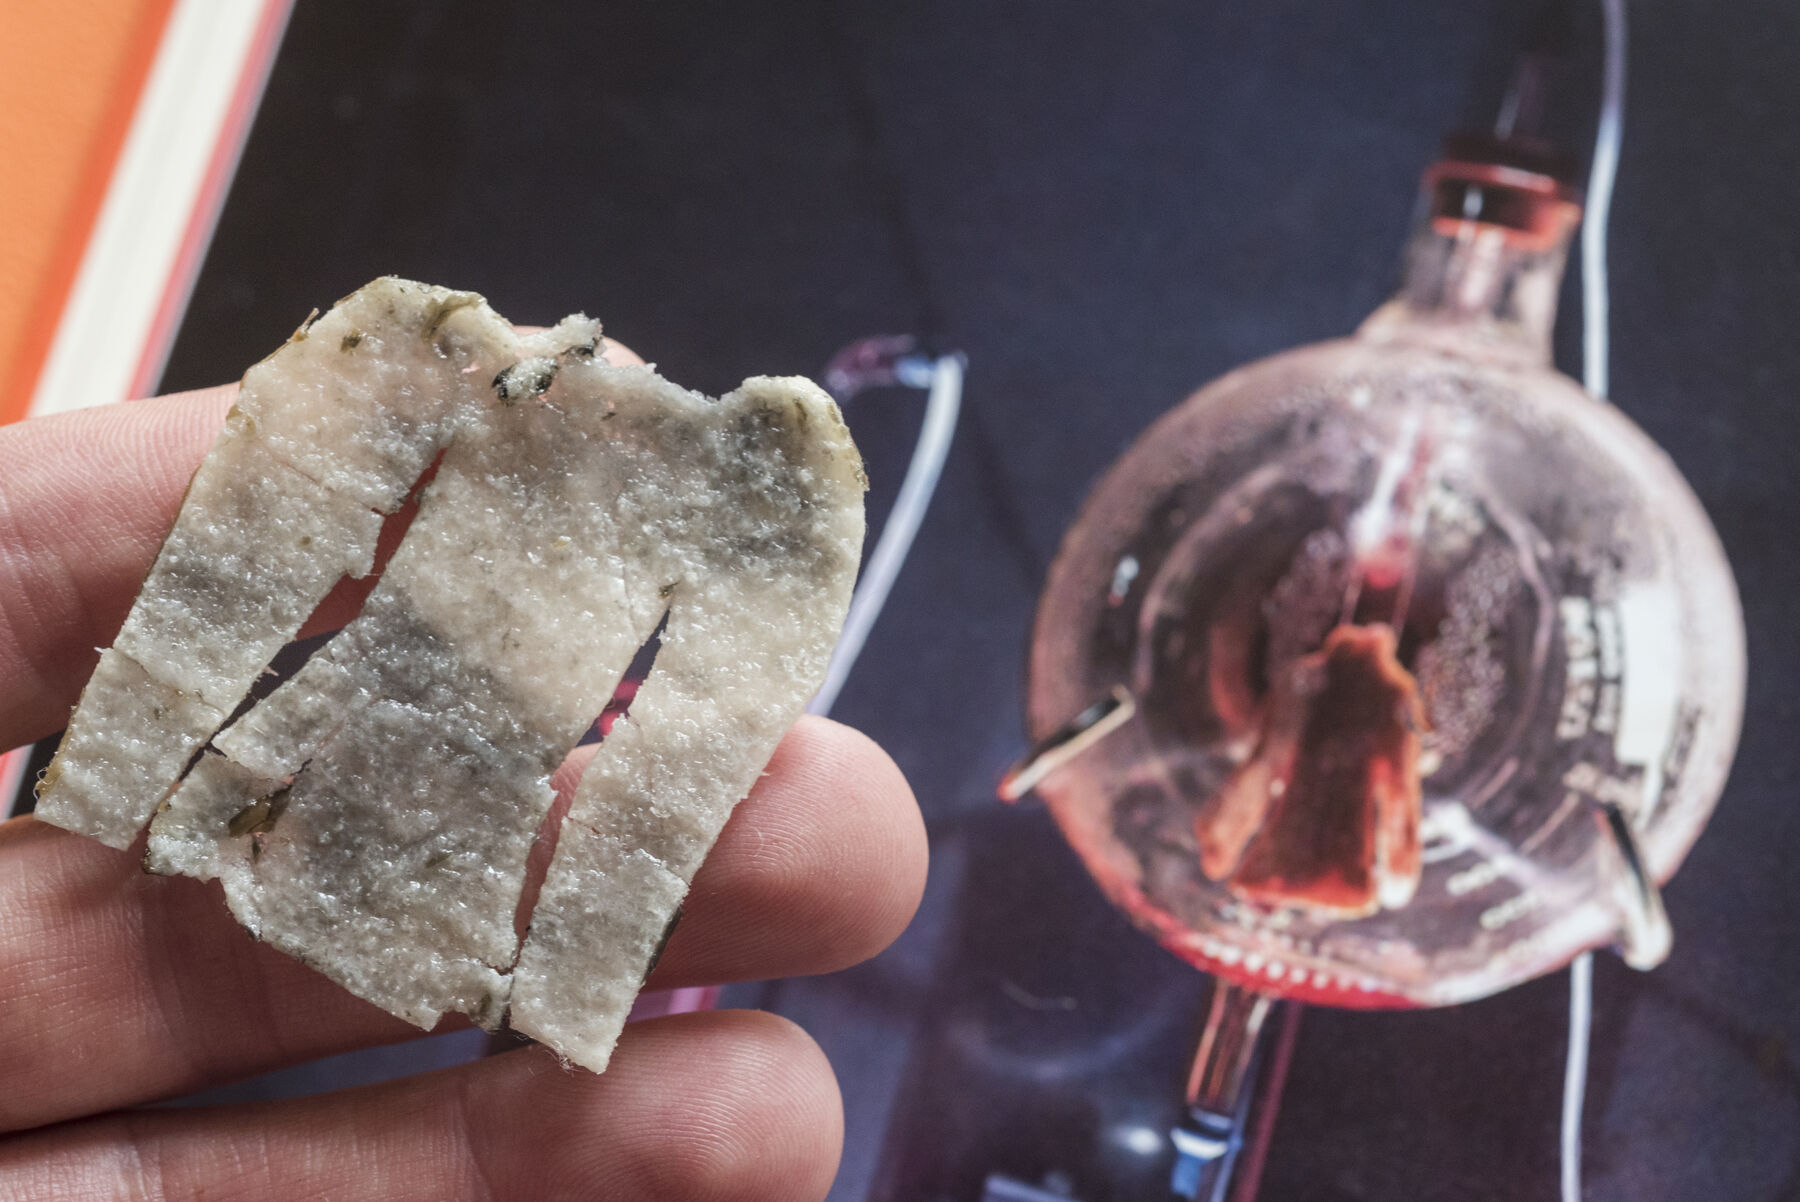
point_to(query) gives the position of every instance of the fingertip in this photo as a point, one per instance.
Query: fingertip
(620, 355)
(870, 782)
(736, 1104)
(772, 1090)
(819, 869)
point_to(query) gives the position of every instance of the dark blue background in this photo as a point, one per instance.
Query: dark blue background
(1104, 205)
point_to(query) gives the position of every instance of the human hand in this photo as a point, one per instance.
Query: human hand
(118, 988)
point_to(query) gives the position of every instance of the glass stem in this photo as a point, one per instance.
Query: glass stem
(1218, 1097)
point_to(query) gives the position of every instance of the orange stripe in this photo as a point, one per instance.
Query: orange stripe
(93, 143)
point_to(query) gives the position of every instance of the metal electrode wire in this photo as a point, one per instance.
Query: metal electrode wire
(1595, 349)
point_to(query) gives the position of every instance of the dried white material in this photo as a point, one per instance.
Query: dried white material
(272, 520)
(373, 815)
(740, 657)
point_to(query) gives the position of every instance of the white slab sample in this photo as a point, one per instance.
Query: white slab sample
(373, 815)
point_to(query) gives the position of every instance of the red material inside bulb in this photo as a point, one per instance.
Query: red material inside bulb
(1325, 813)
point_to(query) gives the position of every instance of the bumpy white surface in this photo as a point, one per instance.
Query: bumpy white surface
(752, 569)
(272, 520)
(373, 815)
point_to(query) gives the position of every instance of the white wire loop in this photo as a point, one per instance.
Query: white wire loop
(883, 567)
(1595, 353)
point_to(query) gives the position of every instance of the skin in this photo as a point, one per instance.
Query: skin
(118, 988)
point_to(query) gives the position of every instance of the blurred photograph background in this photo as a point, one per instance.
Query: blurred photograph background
(1102, 207)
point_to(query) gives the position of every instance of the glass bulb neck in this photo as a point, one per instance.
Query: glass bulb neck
(1483, 268)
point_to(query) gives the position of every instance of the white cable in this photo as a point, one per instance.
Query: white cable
(896, 538)
(1595, 349)
(1581, 1017)
(1594, 297)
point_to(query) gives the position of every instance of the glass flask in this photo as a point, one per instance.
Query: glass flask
(1393, 670)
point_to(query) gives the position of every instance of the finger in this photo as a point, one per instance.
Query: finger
(819, 868)
(729, 1105)
(86, 499)
(620, 355)
(117, 987)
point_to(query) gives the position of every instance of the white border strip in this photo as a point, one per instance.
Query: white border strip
(159, 180)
